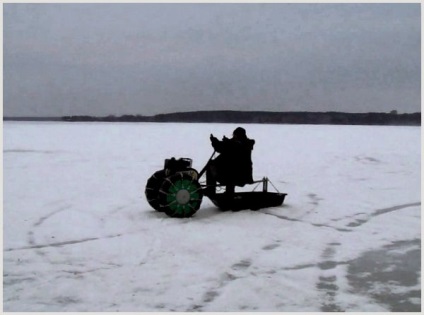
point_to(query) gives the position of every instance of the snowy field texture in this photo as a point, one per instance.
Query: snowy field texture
(79, 234)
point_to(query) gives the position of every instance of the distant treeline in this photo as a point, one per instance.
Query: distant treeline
(259, 117)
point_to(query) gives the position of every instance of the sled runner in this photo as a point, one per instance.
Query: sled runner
(176, 190)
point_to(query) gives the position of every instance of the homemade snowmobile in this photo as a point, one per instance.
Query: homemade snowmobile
(176, 190)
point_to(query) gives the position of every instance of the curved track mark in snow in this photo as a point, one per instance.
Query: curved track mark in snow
(394, 208)
(42, 219)
(378, 212)
(213, 293)
(306, 222)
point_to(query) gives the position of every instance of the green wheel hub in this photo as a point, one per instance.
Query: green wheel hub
(181, 195)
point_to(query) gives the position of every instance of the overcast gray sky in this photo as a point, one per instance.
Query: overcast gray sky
(139, 58)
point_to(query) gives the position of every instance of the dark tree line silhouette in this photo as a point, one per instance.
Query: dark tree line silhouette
(261, 117)
(258, 117)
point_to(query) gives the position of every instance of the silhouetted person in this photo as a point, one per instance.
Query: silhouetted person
(233, 167)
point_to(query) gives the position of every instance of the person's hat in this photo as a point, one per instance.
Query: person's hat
(240, 132)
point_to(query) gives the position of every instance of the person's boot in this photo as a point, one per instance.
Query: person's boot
(209, 191)
(229, 191)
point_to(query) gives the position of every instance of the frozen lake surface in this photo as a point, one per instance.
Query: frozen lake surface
(79, 234)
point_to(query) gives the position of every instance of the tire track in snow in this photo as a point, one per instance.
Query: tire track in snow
(353, 224)
(329, 264)
(59, 244)
(33, 245)
(227, 277)
(282, 217)
(31, 151)
(326, 285)
(44, 218)
(314, 201)
(378, 212)
(36, 225)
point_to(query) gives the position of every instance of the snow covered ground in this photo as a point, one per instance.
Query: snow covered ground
(79, 234)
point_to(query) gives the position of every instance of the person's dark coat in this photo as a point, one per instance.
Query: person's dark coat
(234, 164)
